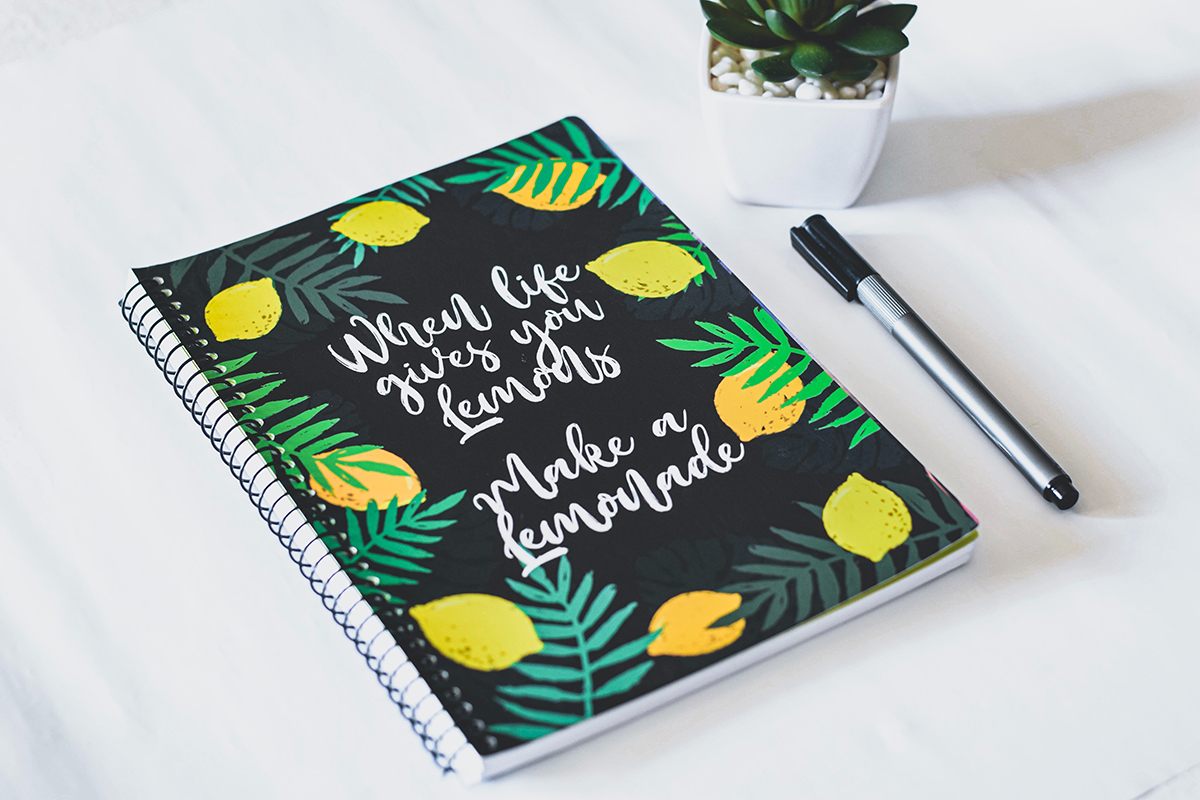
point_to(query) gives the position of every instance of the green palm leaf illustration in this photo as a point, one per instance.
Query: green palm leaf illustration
(389, 547)
(416, 191)
(743, 344)
(534, 157)
(293, 434)
(678, 234)
(581, 663)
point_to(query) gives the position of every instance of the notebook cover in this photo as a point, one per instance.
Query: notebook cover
(549, 433)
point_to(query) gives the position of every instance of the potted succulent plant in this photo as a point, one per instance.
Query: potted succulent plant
(818, 77)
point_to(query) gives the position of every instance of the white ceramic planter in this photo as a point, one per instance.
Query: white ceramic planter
(787, 152)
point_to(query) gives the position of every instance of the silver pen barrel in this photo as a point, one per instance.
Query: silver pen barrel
(957, 381)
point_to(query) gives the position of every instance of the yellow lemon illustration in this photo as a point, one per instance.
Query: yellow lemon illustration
(378, 472)
(244, 311)
(865, 518)
(380, 223)
(747, 415)
(479, 631)
(683, 624)
(542, 202)
(646, 269)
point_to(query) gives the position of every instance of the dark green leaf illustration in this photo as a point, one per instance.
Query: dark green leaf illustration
(768, 345)
(179, 269)
(710, 297)
(809, 451)
(804, 574)
(686, 564)
(532, 159)
(302, 271)
(388, 549)
(581, 661)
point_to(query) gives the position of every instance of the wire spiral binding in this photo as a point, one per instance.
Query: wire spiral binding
(436, 710)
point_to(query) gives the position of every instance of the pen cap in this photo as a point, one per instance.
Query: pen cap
(831, 255)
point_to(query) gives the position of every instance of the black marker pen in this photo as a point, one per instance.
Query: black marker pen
(855, 279)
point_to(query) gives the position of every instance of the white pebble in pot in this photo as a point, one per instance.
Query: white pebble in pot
(847, 93)
(875, 95)
(748, 88)
(730, 79)
(808, 91)
(722, 66)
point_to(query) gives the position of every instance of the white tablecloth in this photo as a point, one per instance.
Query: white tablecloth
(1037, 200)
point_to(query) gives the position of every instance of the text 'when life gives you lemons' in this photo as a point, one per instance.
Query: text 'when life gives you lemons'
(547, 306)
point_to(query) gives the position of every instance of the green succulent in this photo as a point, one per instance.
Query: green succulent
(814, 38)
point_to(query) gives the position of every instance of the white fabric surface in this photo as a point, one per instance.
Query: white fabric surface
(1036, 201)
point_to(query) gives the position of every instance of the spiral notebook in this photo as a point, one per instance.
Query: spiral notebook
(543, 457)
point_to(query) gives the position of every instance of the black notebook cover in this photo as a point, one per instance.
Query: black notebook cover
(562, 452)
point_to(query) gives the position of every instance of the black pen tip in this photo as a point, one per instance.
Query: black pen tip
(1061, 492)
